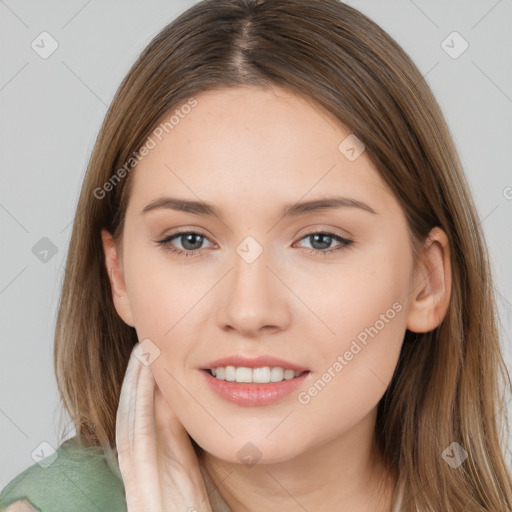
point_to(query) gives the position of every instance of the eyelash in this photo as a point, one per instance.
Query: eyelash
(166, 243)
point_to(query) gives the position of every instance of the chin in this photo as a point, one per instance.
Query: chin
(249, 450)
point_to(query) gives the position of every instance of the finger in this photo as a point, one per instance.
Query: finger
(134, 369)
(124, 437)
(144, 448)
(126, 401)
(144, 427)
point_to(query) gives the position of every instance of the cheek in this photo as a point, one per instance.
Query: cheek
(355, 299)
(161, 292)
(364, 310)
(164, 300)
(356, 365)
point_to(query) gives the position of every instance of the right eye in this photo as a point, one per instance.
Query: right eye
(188, 238)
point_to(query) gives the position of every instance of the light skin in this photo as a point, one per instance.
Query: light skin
(248, 152)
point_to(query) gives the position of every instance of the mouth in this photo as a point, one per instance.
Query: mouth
(254, 381)
(254, 387)
(258, 375)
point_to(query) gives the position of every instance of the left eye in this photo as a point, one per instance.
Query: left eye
(191, 242)
(324, 239)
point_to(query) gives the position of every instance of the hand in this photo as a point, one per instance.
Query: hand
(157, 460)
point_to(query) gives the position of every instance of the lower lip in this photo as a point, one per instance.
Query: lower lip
(253, 394)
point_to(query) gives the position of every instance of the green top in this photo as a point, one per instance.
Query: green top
(81, 479)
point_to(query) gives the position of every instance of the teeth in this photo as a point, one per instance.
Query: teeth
(261, 375)
(230, 373)
(276, 374)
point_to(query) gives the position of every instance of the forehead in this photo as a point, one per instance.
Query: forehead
(240, 144)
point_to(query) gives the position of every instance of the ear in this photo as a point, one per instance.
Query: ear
(433, 283)
(115, 272)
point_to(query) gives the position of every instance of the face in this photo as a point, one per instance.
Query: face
(323, 289)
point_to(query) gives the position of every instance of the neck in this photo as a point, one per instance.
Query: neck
(344, 474)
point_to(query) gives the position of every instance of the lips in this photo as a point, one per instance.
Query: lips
(253, 395)
(265, 360)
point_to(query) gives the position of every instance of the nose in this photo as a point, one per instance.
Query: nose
(254, 298)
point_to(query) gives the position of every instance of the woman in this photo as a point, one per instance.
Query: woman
(232, 367)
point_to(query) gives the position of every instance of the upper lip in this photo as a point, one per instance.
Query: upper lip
(239, 360)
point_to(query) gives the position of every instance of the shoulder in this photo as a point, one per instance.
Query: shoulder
(73, 478)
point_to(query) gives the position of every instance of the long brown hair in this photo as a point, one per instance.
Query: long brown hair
(446, 387)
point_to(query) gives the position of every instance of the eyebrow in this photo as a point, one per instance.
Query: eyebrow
(289, 210)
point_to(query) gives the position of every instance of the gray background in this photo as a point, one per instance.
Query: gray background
(51, 110)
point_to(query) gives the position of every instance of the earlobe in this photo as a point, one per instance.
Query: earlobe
(116, 276)
(433, 280)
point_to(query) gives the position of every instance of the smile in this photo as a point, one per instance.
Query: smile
(262, 375)
(248, 392)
